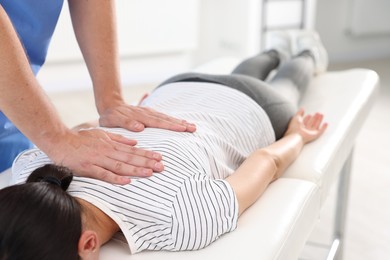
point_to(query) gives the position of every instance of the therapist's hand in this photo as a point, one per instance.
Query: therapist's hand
(136, 118)
(105, 156)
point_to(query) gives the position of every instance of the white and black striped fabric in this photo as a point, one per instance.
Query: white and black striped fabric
(188, 205)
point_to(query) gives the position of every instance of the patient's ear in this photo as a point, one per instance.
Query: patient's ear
(143, 98)
(88, 245)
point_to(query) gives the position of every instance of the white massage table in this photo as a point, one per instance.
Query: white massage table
(278, 225)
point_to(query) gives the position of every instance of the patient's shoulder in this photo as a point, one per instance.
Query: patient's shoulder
(27, 162)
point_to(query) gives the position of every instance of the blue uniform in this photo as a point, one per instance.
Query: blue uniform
(34, 21)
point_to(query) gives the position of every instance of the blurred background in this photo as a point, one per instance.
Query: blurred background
(159, 38)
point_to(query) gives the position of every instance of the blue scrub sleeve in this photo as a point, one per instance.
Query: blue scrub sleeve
(12, 142)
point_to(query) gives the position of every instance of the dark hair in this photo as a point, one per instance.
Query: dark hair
(38, 219)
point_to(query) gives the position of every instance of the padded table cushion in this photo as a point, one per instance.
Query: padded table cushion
(345, 98)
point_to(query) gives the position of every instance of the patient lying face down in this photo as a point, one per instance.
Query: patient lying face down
(247, 135)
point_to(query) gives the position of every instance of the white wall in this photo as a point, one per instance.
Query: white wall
(332, 23)
(159, 38)
(234, 27)
(156, 40)
(228, 27)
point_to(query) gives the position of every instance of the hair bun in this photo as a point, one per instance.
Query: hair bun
(52, 180)
(55, 175)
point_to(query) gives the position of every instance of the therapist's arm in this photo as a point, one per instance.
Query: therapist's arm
(265, 165)
(94, 24)
(94, 154)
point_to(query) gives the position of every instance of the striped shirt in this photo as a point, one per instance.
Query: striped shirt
(189, 205)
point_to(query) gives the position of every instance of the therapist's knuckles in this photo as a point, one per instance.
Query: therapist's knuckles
(140, 172)
(121, 139)
(134, 166)
(144, 172)
(110, 177)
(132, 150)
(135, 126)
(118, 166)
(154, 165)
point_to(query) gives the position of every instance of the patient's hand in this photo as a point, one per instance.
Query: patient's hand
(310, 127)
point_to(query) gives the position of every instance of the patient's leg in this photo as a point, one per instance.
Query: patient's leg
(294, 76)
(259, 66)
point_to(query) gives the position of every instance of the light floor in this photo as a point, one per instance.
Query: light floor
(368, 219)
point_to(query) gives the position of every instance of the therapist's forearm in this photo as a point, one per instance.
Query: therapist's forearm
(22, 99)
(95, 27)
(94, 24)
(89, 153)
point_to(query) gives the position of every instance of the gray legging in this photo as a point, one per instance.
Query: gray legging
(278, 97)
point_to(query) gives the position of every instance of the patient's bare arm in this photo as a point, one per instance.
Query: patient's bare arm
(263, 166)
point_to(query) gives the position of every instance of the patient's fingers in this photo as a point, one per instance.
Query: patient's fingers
(323, 128)
(301, 112)
(313, 121)
(306, 120)
(317, 120)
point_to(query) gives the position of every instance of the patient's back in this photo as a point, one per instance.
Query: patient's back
(188, 205)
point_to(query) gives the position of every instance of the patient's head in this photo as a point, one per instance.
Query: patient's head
(38, 219)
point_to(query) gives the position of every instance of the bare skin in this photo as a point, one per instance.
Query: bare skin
(97, 229)
(90, 153)
(265, 165)
(95, 219)
(249, 181)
